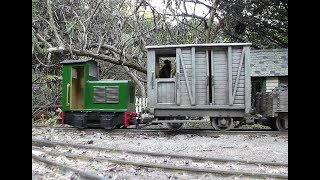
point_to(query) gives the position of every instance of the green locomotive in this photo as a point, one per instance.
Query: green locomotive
(91, 103)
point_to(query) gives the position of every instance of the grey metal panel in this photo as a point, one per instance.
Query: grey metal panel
(99, 94)
(112, 93)
(151, 78)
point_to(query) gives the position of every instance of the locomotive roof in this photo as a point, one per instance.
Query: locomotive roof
(198, 45)
(77, 61)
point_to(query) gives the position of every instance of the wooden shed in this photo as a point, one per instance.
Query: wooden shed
(205, 80)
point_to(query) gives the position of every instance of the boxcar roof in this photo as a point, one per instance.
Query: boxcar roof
(198, 45)
(77, 61)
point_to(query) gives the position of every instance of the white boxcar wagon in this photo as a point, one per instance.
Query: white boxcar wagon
(205, 80)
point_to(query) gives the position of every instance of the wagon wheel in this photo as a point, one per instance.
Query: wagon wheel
(175, 126)
(281, 123)
(222, 123)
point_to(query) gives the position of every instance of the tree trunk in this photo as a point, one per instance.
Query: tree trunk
(136, 80)
(210, 20)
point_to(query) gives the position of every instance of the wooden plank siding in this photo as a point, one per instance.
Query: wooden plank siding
(271, 83)
(190, 87)
(201, 77)
(185, 72)
(166, 92)
(220, 76)
(151, 78)
(239, 97)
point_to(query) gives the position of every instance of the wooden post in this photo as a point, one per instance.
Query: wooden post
(247, 79)
(193, 53)
(178, 77)
(151, 79)
(230, 74)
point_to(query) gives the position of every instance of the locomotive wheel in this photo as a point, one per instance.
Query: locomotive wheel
(222, 123)
(175, 126)
(281, 123)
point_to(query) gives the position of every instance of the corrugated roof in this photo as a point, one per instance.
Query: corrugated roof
(269, 62)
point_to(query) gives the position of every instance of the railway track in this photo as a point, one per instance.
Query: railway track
(166, 162)
(201, 132)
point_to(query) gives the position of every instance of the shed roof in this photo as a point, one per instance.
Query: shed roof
(77, 61)
(269, 62)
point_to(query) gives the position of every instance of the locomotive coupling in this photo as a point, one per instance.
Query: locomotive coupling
(146, 117)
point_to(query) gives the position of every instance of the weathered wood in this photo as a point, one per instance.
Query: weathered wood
(166, 90)
(185, 75)
(230, 74)
(223, 107)
(200, 75)
(207, 77)
(247, 79)
(178, 89)
(238, 75)
(198, 45)
(212, 78)
(151, 77)
(193, 54)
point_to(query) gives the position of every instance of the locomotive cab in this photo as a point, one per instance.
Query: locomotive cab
(75, 74)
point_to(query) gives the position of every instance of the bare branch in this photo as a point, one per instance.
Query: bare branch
(84, 36)
(98, 56)
(199, 2)
(94, 12)
(136, 80)
(42, 39)
(52, 24)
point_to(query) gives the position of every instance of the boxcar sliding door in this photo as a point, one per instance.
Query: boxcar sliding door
(192, 76)
(229, 76)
